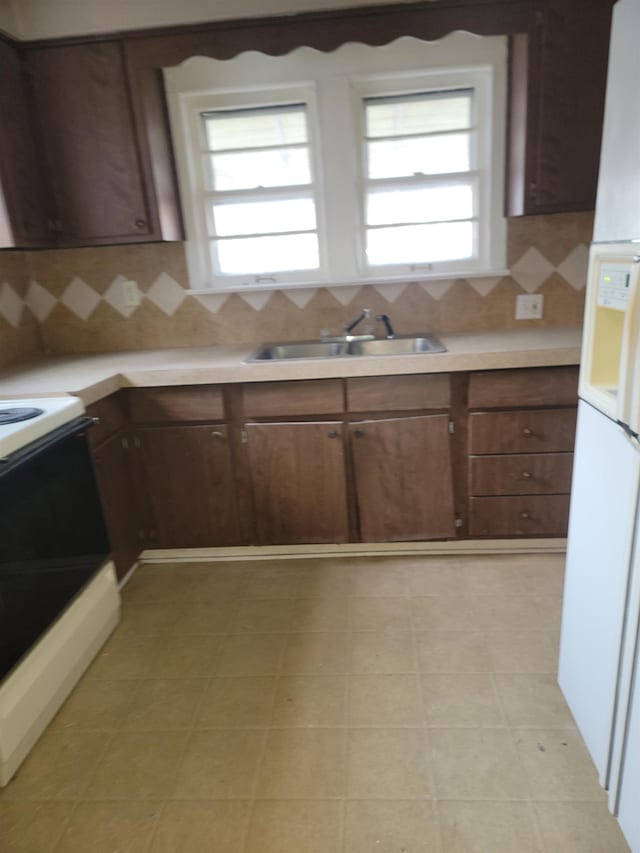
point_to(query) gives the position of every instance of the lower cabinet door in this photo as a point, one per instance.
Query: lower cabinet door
(299, 482)
(404, 478)
(190, 485)
(117, 490)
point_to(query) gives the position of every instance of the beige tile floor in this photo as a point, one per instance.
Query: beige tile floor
(322, 706)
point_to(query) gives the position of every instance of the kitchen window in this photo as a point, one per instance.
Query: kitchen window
(364, 165)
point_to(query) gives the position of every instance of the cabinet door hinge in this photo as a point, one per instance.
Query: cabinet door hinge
(136, 441)
(124, 441)
(452, 427)
(244, 436)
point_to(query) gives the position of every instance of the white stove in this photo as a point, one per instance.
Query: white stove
(25, 420)
(59, 598)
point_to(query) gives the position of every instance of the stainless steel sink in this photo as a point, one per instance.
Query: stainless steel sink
(402, 345)
(306, 349)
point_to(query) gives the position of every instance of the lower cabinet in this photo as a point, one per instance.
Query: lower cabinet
(190, 485)
(487, 454)
(521, 451)
(117, 489)
(403, 478)
(298, 480)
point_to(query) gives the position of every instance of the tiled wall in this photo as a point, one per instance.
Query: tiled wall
(76, 296)
(19, 329)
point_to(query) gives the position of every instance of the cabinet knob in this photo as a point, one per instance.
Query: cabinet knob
(527, 431)
(526, 475)
(358, 433)
(141, 223)
(217, 434)
(524, 515)
(333, 433)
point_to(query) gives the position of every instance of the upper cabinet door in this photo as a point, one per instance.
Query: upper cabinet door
(23, 207)
(87, 132)
(560, 72)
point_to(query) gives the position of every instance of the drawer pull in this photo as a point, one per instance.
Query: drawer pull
(524, 515)
(333, 434)
(217, 434)
(358, 433)
(526, 475)
(527, 431)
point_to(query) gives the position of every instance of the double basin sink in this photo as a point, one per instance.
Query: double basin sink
(401, 345)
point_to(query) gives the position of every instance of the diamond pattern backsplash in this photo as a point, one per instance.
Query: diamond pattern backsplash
(77, 299)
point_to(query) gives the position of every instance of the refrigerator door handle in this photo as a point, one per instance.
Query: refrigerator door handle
(628, 403)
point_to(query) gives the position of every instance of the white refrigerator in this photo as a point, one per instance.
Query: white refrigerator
(599, 670)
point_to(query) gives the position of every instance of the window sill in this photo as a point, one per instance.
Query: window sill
(323, 283)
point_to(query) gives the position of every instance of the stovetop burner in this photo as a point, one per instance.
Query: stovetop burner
(13, 415)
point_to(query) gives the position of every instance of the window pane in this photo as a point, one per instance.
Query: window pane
(426, 204)
(260, 217)
(422, 113)
(258, 255)
(254, 128)
(431, 155)
(278, 168)
(420, 243)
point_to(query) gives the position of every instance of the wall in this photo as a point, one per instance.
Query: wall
(77, 296)
(19, 329)
(7, 18)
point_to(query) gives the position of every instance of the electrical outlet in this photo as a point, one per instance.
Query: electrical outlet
(529, 306)
(131, 294)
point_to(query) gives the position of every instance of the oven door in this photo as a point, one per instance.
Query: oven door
(52, 535)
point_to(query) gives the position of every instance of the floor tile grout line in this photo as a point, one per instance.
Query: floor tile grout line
(512, 741)
(428, 752)
(263, 749)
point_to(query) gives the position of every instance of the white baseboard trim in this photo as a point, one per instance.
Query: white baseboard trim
(469, 547)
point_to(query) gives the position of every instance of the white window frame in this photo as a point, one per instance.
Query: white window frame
(333, 87)
(193, 183)
(477, 79)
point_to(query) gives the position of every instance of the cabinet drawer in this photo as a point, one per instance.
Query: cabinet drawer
(535, 386)
(278, 399)
(520, 474)
(536, 431)
(398, 393)
(109, 413)
(184, 403)
(524, 515)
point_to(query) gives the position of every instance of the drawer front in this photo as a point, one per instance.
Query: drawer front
(520, 474)
(398, 393)
(278, 399)
(524, 515)
(535, 431)
(181, 404)
(535, 386)
(110, 418)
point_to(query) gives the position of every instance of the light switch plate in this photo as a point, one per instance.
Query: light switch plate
(131, 293)
(529, 306)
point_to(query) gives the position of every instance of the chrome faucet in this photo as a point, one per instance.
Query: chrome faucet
(384, 318)
(364, 315)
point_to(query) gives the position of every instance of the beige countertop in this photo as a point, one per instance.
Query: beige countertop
(92, 377)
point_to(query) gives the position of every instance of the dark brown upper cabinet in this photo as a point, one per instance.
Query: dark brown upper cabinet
(99, 168)
(23, 204)
(90, 146)
(558, 73)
